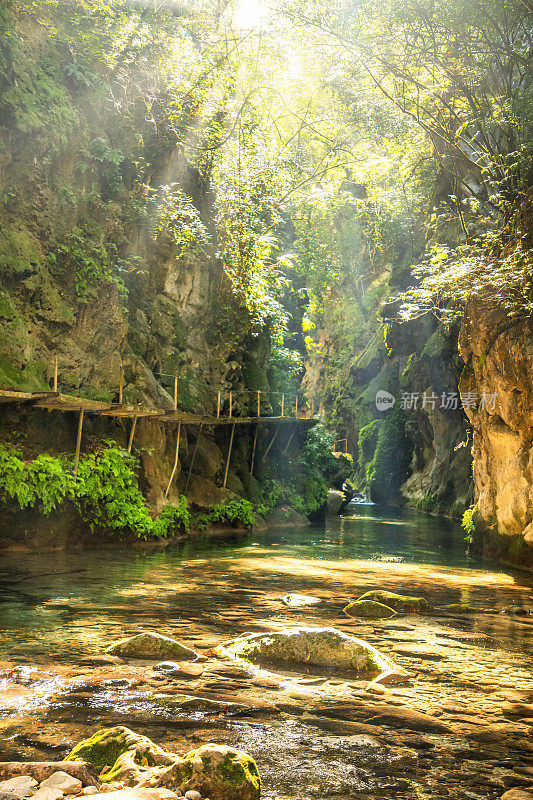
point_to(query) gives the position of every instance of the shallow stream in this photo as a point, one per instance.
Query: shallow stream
(460, 728)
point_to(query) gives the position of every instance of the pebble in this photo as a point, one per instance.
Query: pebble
(20, 786)
(91, 790)
(63, 781)
(192, 795)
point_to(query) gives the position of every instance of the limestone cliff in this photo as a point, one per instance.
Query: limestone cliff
(498, 353)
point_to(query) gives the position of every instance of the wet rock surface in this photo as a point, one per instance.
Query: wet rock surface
(461, 727)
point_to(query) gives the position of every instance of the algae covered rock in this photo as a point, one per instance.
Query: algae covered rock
(458, 608)
(151, 645)
(119, 754)
(369, 609)
(216, 771)
(398, 602)
(310, 647)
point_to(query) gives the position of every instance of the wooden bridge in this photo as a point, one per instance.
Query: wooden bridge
(225, 401)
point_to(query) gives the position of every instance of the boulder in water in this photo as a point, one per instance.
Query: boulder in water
(151, 645)
(398, 602)
(300, 600)
(310, 647)
(119, 754)
(216, 771)
(369, 609)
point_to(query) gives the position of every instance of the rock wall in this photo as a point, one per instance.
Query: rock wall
(498, 352)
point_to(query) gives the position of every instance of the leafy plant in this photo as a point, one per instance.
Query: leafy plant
(233, 512)
(468, 523)
(106, 491)
(44, 482)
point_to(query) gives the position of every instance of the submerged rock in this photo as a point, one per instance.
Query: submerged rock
(398, 602)
(216, 771)
(457, 608)
(310, 647)
(369, 609)
(299, 600)
(151, 645)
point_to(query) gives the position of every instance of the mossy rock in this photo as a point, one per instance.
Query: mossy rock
(457, 608)
(151, 645)
(398, 602)
(217, 771)
(325, 648)
(369, 609)
(120, 754)
(214, 770)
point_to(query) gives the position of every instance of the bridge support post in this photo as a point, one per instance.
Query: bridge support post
(175, 460)
(267, 451)
(132, 432)
(78, 445)
(253, 450)
(229, 456)
(193, 457)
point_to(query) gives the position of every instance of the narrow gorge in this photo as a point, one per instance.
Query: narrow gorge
(266, 399)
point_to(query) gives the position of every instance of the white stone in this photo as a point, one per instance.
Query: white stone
(21, 785)
(47, 793)
(91, 790)
(64, 781)
(192, 795)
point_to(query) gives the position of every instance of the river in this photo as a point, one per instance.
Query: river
(460, 728)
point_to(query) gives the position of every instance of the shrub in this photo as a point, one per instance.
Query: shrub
(233, 512)
(44, 482)
(106, 491)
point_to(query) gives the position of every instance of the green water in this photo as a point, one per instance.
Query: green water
(59, 606)
(56, 609)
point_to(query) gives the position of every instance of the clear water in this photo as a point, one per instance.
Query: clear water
(58, 608)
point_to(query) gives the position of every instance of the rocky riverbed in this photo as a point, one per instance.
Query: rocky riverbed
(459, 725)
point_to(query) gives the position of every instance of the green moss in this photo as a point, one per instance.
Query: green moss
(398, 602)
(19, 253)
(436, 346)
(29, 378)
(391, 459)
(236, 770)
(102, 750)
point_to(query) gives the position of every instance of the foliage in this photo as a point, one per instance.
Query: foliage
(390, 463)
(233, 512)
(174, 216)
(42, 483)
(172, 519)
(468, 523)
(105, 492)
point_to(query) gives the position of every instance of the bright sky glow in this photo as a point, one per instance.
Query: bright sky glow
(250, 14)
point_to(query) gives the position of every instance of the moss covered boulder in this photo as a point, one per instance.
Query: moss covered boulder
(310, 647)
(119, 754)
(369, 609)
(398, 602)
(216, 771)
(151, 645)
